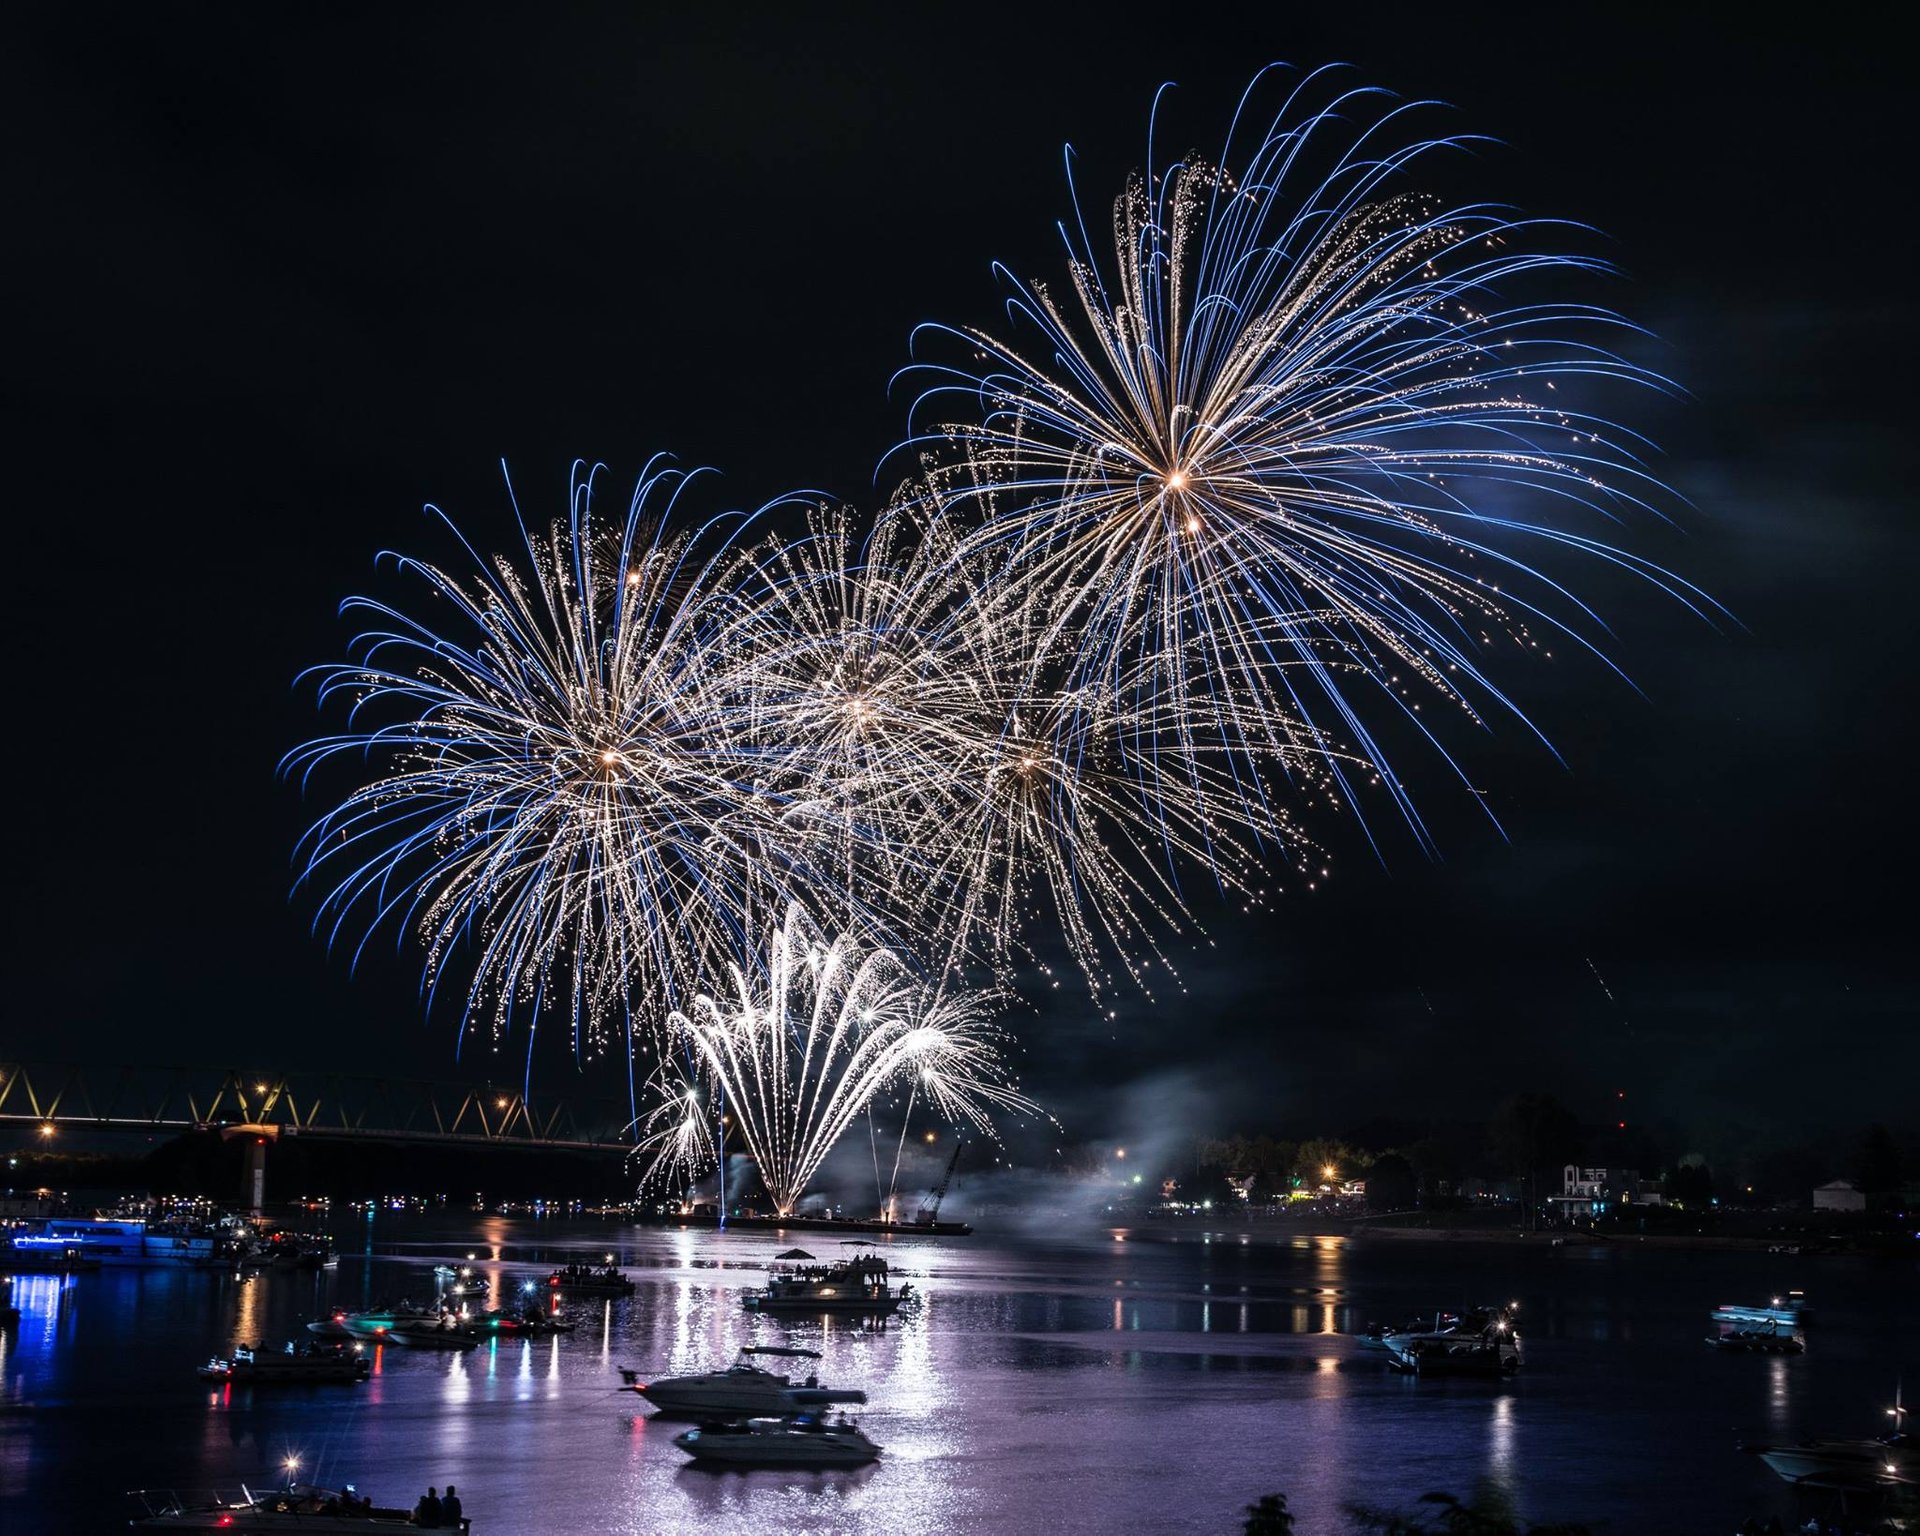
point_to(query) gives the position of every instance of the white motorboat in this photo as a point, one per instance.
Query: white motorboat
(799, 1440)
(297, 1507)
(743, 1390)
(1888, 1461)
(1789, 1311)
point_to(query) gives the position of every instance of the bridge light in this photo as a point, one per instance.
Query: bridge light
(47, 1129)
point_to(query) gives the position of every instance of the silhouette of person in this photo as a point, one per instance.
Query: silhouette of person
(427, 1512)
(450, 1507)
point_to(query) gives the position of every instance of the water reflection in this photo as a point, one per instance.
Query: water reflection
(1008, 1401)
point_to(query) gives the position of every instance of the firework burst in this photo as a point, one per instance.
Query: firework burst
(561, 788)
(1263, 459)
(798, 1049)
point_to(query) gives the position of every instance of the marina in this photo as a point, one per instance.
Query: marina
(1040, 1381)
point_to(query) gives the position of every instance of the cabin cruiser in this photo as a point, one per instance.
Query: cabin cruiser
(1789, 1311)
(296, 1507)
(1889, 1461)
(796, 1440)
(311, 1361)
(743, 1390)
(853, 1285)
(587, 1280)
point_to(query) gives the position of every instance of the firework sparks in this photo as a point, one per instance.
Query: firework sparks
(1264, 454)
(560, 785)
(798, 1049)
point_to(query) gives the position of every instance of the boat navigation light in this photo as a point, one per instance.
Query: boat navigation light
(1776, 1301)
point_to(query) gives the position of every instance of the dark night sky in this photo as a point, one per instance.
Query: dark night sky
(275, 283)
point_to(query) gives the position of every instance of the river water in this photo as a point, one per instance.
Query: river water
(1087, 1379)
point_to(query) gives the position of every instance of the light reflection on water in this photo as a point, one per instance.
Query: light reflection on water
(1073, 1384)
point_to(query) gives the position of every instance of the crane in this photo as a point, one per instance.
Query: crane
(930, 1207)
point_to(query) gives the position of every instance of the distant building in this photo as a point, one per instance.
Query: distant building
(1840, 1195)
(1589, 1192)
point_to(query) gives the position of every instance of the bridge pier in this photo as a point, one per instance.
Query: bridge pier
(253, 1182)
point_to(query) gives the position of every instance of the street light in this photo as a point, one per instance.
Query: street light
(1328, 1171)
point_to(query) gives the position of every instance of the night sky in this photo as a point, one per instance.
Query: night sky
(276, 282)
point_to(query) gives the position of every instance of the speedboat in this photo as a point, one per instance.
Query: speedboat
(1889, 1461)
(853, 1285)
(743, 1390)
(296, 1507)
(311, 1361)
(796, 1440)
(1789, 1311)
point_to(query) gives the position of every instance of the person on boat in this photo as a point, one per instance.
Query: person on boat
(450, 1508)
(428, 1511)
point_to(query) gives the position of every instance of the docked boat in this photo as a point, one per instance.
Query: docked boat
(858, 1285)
(312, 1361)
(589, 1280)
(297, 1507)
(743, 1390)
(1790, 1311)
(1887, 1461)
(797, 1440)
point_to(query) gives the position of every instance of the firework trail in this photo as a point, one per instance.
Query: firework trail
(800, 1047)
(1276, 451)
(561, 791)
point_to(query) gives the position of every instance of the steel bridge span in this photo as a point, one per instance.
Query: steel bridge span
(268, 1105)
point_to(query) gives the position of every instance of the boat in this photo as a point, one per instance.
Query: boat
(113, 1241)
(1790, 1311)
(1887, 1461)
(1483, 1341)
(1760, 1339)
(375, 1324)
(795, 1440)
(459, 1284)
(296, 1507)
(1460, 1355)
(311, 1361)
(432, 1333)
(744, 1389)
(859, 1285)
(589, 1280)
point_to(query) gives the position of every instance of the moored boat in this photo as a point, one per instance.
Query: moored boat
(591, 1280)
(858, 1285)
(308, 1362)
(798, 1440)
(743, 1390)
(1828, 1461)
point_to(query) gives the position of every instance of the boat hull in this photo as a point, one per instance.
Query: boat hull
(821, 1451)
